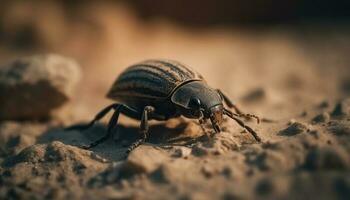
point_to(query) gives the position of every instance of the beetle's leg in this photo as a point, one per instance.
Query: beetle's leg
(148, 110)
(241, 123)
(202, 122)
(230, 104)
(249, 116)
(112, 124)
(98, 117)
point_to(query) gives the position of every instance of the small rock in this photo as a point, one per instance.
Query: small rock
(321, 118)
(181, 151)
(304, 113)
(324, 104)
(294, 129)
(255, 95)
(342, 108)
(327, 159)
(32, 87)
(143, 159)
(345, 86)
(200, 150)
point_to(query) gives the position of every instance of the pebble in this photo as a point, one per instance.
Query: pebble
(294, 129)
(321, 118)
(255, 95)
(342, 108)
(32, 87)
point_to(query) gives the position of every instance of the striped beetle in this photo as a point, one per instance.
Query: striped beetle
(164, 89)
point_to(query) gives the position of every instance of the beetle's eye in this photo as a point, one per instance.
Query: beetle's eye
(194, 103)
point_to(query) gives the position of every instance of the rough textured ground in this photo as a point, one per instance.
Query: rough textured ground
(295, 77)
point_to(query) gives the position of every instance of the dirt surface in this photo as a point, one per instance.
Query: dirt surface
(297, 78)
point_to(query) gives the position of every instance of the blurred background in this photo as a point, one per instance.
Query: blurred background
(287, 61)
(299, 46)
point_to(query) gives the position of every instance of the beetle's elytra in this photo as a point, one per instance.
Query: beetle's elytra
(154, 79)
(163, 89)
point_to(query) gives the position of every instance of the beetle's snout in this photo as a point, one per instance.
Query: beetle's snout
(216, 117)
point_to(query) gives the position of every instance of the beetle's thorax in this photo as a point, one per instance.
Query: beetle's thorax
(186, 95)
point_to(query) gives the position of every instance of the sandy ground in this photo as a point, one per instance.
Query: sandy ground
(297, 77)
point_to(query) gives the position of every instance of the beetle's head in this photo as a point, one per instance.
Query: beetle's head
(213, 112)
(197, 100)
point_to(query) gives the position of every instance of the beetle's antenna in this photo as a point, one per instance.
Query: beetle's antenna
(247, 115)
(241, 123)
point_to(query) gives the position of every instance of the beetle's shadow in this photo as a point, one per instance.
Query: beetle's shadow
(115, 147)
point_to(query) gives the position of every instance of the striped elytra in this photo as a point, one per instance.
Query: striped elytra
(155, 79)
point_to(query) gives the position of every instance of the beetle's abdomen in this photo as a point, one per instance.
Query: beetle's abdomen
(151, 79)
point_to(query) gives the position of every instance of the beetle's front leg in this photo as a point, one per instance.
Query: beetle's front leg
(202, 123)
(148, 110)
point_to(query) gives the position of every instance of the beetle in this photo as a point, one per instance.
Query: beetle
(163, 89)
